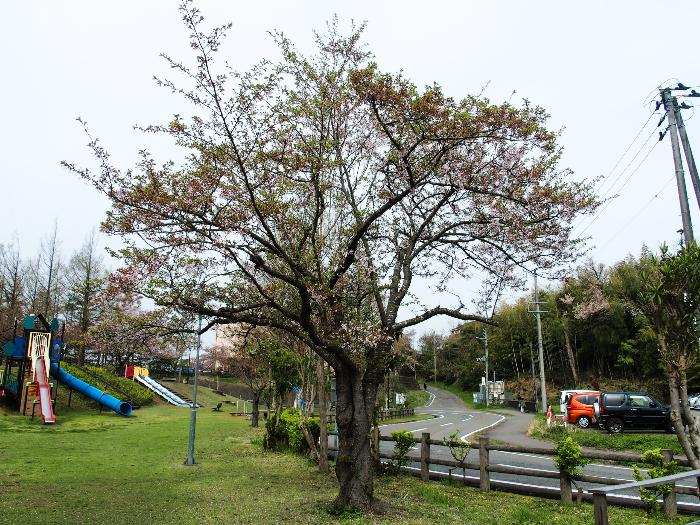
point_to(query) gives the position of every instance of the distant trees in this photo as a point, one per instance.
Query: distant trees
(593, 332)
(12, 298)
(84, 276)
(102, 324)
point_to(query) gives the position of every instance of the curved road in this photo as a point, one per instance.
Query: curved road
(450, 415)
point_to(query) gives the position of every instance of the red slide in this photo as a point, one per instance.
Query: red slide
(47, 415)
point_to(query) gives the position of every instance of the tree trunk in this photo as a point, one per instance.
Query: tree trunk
(357, 394)
(678, 421)
(308, 393)
(571, 357)
(322, 416)
(255, 414)
(688, 419)
(676, 373)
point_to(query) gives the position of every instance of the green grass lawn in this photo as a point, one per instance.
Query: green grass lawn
(595, 438)
(106, 469)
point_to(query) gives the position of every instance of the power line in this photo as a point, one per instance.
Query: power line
(619, 176)
(619, 160)
(618, 190)
(636, 215)
(602, 182)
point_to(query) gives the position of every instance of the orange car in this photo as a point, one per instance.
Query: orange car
(579, 408)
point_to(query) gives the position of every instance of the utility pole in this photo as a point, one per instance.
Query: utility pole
(486, 358)
(537, 311)
(669, 105)
(692, 168)
(534, 382)
(193, 415)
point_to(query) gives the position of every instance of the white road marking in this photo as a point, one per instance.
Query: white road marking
(463, 438)
(432, 398)
(447, 424)
(523, 454)
(529, 468)
(419, 430)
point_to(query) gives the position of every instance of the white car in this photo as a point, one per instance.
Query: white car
(694, 401)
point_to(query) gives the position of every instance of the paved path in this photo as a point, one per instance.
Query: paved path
(449, 415)
(514, 431)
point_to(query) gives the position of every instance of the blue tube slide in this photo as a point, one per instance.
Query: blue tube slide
(120, 407)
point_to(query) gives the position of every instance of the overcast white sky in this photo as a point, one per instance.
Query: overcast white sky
(593, 65)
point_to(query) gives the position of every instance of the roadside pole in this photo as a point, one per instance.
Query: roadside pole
(537, 311)
(485, 359)
(669, 103)
(193, 414)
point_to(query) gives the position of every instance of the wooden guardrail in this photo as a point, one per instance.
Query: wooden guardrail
(383, 415)
(485, 467)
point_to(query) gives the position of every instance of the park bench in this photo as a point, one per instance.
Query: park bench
(217, 408)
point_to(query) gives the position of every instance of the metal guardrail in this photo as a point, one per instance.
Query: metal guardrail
(600, 495)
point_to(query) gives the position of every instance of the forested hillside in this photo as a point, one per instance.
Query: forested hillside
(593, 336)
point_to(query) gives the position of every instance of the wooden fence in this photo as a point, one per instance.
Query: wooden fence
(485, 467)
(383, 415)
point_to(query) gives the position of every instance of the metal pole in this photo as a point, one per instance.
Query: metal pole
(486, 358)
(193, 415)
(543, 389)
(680, 176)
(692, 168)
(534, 382)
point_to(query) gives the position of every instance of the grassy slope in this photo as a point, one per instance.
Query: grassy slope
(416, 398)
(113, 470)
(206, 397)
(142, 395)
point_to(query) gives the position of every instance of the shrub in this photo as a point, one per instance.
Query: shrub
(403, 442)
(569, 459)
(458, 448)
(654, 460)
(286, 432)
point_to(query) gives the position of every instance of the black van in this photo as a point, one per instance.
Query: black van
(621, 410)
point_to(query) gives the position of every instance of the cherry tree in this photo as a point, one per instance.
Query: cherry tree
(317, 190)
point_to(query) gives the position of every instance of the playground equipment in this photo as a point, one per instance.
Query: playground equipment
(140, 374)
(28, 361)
(120, 407)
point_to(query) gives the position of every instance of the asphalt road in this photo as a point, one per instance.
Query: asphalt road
(450, 415)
